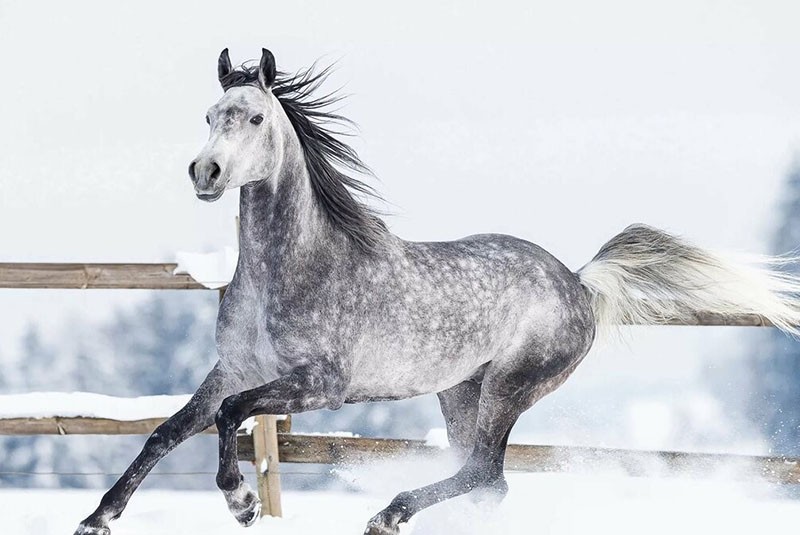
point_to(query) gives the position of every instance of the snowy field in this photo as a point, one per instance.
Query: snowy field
(537, 503)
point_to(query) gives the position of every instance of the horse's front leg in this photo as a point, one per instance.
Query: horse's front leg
(307, 388)
(197, 415)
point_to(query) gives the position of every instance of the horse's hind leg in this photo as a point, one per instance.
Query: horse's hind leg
(496, 416)
(459, 406)
(197, 415)
(505, 395)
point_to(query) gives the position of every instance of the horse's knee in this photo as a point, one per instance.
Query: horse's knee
(168, 433)
(230, 413)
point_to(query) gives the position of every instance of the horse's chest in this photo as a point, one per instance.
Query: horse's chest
(269, 330)
(244, 345)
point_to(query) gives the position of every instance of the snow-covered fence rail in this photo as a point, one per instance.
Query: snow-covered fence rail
(84, 413)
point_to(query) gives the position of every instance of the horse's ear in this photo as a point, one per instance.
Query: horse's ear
(224, 67)
(266, 69)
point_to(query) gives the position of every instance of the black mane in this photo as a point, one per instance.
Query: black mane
(324, 153)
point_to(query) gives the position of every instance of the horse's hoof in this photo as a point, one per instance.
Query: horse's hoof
(249, 516)
(379, 526)
(382, 530)
(86, 529)
(245, 505)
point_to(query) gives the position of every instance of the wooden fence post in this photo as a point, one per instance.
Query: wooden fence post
(265, 444)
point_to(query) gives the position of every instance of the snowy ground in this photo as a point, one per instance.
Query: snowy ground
(537, 503)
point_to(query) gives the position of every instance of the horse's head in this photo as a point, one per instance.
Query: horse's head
(244, 143)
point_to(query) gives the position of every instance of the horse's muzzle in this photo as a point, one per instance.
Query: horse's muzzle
(205, 177)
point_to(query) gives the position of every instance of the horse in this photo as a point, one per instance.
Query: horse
(328, 307)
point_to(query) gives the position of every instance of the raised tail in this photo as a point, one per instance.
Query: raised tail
(644, 276)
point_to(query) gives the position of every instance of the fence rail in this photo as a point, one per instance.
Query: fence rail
(343, 450)
(95, 276)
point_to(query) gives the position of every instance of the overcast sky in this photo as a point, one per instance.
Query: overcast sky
(560, 122)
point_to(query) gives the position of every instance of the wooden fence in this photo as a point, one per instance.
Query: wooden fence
(343, 450)
(272, 441)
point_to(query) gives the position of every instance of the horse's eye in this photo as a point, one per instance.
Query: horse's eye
(208, 121)
(257, 119)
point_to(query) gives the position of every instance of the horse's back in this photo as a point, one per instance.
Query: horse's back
(524, 276)
(507, 262)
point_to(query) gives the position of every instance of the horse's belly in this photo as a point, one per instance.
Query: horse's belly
(403, 376)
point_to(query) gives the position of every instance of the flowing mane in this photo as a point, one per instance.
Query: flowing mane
(328, 158)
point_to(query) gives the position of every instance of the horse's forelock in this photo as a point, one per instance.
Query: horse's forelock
(241, 76)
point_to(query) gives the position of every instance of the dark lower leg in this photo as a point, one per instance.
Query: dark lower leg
(483, 470)
(470, 477)
(197, 415)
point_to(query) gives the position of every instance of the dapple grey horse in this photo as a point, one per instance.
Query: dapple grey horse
(328, 307)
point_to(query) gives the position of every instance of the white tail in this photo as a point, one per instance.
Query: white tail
(644, 275)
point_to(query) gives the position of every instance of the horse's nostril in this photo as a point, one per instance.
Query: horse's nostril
(191, 171)
(215, 171)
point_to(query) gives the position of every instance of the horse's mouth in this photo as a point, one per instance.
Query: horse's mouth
(210, 197)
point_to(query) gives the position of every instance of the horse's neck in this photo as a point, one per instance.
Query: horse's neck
(282, 226)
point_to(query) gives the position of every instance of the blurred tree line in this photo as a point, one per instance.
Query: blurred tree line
(774, 400)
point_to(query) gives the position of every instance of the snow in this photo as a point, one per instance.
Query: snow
(88, 405)
(537, 503)
(212, 270)
(437, 437)
(250, 424)
(340, 434)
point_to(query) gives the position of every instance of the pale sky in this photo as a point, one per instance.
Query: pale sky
(559, 122)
